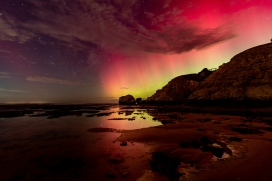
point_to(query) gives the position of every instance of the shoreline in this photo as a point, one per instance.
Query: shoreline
(253, 131)
(194, 139)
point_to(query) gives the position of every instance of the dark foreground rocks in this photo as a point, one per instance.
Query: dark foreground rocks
(164, 164)
(217, 148)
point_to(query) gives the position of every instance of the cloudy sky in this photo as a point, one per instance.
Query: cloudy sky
(94, 51)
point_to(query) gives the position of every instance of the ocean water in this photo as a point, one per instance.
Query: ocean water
(39, 148)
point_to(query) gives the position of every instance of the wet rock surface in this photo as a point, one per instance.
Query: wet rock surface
(99, 130)
(237, 139)
(206, 144)
(245, 129)
(164, 164)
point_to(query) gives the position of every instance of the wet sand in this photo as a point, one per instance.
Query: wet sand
(54, 146)
(250, 157)
(38, 148)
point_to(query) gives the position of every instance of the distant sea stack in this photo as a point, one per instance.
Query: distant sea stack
(247, 77)
(179, 88)
(127, 100)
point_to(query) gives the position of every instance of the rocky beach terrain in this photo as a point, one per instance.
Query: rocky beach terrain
(216, 124)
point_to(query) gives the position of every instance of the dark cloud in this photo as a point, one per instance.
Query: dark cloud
(109, 24)
(53, 81)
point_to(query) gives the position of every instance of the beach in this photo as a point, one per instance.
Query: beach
(221, 145)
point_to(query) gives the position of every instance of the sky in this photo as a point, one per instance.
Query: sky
(94, 51)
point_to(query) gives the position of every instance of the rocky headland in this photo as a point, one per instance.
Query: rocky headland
(212, 142)
(247, 77)
(245, 80)
(179, 88)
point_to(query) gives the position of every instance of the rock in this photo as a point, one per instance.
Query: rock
(125, 174)
(123, 143)
(247, 77)
(116, 159)
(207, 145)
(246, 130)
(138, 100)
(216, 151)
(110, 175)
(164, 164)
(179, 88)
(127, 100)
(101, 130)
(236, 139)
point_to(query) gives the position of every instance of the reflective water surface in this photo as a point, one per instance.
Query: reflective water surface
(38, 148)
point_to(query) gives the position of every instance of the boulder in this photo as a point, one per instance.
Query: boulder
(127, 100)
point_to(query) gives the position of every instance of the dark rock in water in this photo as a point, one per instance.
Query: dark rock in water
(207, 145)
(128, 113)
(246, 78)
(164, 164)
(179, 88)
(206, 140)
(200, 129)
(116, 159)
(246, 130)
(110, 175)
(103, 114)
(127, 100)
(167, 122)
(125, 174)
(123, 143)
(216, 122)
(235, 139)
(216, 151)
(207, 119)
(15, 113)
(138, 100)
(101, 130)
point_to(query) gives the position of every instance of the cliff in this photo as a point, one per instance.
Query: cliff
(248, 76)
(179, 88)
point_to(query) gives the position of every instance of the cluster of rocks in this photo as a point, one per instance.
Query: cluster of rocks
(129, 100)
(246, 78)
